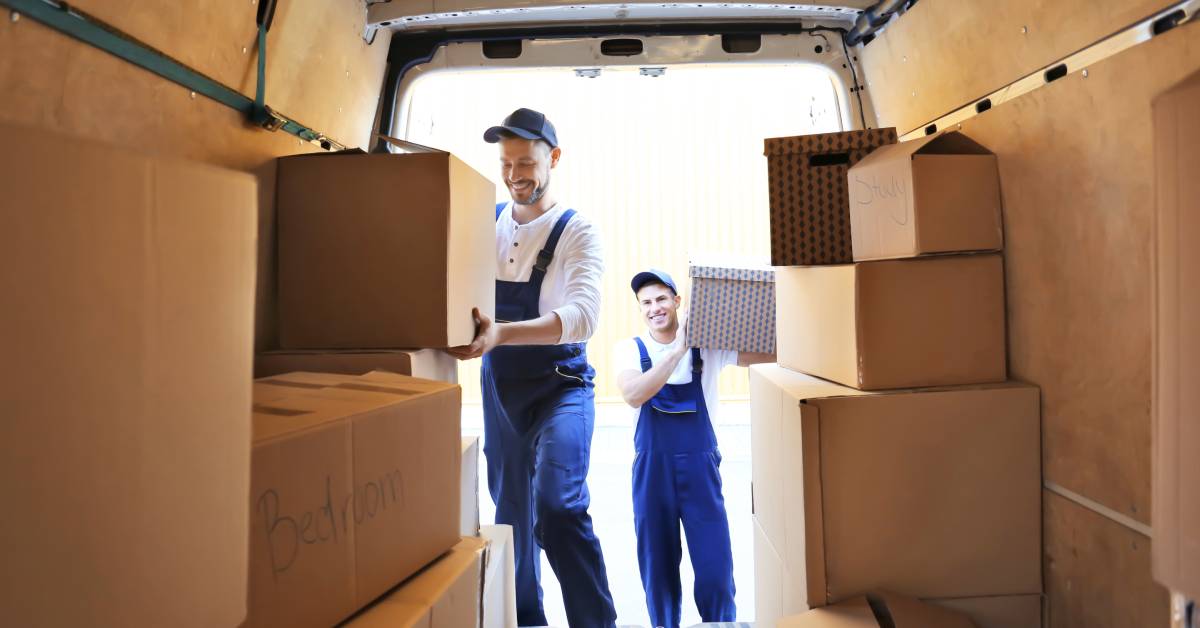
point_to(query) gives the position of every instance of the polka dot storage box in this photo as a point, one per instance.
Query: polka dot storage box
(810, 210)
(732, 307)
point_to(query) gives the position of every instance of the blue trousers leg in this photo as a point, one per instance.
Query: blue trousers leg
(510, 477)
(702, 508)
(562, 526)
(656, 522)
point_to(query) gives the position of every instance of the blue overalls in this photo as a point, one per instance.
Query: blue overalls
(676, 477)
(538, 412)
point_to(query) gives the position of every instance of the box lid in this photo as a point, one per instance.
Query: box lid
(735, 271)
(829, 142)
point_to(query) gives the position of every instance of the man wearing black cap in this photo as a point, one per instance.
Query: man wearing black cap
(676, 470)
(538, 398)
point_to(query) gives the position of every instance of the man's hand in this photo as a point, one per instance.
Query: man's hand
(487, 337)
(680, 344)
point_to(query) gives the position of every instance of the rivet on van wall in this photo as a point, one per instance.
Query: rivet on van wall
(1085, 74)
(193, 95)
(1024, 30)
(15, 17)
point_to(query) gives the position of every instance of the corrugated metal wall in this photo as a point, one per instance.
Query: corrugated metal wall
(668, 167)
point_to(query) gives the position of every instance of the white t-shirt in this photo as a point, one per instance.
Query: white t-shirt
(571, 288)
(626, 358)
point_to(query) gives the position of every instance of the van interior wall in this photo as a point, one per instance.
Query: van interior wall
(320, 72)
(1076, 170)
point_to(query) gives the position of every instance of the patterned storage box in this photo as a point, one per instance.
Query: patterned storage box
(810, 211)
(732, 307)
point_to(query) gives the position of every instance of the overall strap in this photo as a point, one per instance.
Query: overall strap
(697, 364)
(547, 253)
(646, 364)
(500, 209)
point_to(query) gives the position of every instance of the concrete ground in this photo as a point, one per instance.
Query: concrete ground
(612, 511)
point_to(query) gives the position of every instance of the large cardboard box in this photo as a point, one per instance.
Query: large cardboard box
(469, 488)
(935, 321)
(938, 194)
(732, 307)
(423, 363)
(810, 210)
(354, 488)
(125, 404)
(446, 594)
(1176, 398)
(383, 251)
(499, 578)
(930, 493)
(879, 610)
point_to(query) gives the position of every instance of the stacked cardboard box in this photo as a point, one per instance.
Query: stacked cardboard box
(380, 255)
(911, 465)
(362, 482)
(125, 429)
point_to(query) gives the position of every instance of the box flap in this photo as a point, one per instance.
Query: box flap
(952, 143)
(821, 143)
(853, 613)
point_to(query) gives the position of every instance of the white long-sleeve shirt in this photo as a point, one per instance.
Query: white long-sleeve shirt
(571, 288)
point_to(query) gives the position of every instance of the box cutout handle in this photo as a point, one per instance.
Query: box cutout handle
(829, 159)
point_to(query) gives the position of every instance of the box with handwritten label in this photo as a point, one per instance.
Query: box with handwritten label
(354, 487)
(939, 194)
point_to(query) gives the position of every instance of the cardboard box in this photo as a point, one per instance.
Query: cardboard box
(1176, 398)
(446, 594)
(938, 194)
(935, 321)
(879, 610)
(424, 363)
(354, 488)
(732, 307)
(383, 251)
(125, 437)
(469, 488)
(930, 493)
(810, 210)
(499, 578)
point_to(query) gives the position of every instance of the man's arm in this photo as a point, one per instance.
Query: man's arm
(543, 330)
(637, 387)
(746, 358)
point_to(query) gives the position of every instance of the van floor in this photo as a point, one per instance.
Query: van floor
(609, 480)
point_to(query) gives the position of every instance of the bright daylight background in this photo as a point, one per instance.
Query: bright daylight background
(667, 167)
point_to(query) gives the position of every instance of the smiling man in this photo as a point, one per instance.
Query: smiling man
(538, 395)
(676, 470)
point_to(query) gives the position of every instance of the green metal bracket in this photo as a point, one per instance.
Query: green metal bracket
(85, 28)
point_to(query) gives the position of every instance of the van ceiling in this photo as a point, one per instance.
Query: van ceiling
(402, 16)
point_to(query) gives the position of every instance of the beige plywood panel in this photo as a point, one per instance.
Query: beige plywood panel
(320, 72)
(943, 54)
(1076, 175)
(1097, 572)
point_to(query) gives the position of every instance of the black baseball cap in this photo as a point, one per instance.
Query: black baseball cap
(652, 276)
(524, 123)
